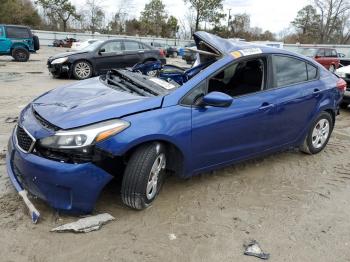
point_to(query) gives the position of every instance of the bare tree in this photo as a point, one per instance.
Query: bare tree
(332, 13)
(95, 15)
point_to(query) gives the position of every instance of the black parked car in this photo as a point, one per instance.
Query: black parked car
(101, 56)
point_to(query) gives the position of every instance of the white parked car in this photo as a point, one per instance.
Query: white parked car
(344, 72)
(80, 45)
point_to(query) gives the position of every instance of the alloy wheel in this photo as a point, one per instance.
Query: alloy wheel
(82, 70)
(320, 133)
(152, 184)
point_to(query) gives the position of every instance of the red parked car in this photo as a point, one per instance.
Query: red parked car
(328, 57)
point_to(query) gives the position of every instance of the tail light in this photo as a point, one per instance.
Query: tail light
(161, 52)
(341, 85)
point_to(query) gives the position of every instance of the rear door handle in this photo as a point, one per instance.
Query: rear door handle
(266, 105)
(316, 90)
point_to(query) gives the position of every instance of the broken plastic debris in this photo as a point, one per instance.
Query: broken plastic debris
(172, 236)
(34, 213)
(253, 249)
(10, 120)
(85, 225)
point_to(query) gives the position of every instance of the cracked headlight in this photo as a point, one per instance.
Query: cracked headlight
(59, 60)
(84, 136)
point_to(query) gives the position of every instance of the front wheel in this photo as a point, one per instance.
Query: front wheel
(318, 135)
(144, 176)
(82, 70)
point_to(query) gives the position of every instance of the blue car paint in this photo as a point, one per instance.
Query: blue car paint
(8, 44)
(207, 138)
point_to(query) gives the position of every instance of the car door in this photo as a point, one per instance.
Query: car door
(224, 134)
(19, 35)
(5, 43)
(133, 53)
(110, 55)
(295, 91)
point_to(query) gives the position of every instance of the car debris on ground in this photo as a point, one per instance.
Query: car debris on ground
(86, 224)
(253, 249)
(11, 120)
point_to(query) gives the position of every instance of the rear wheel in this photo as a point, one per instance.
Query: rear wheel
(20, 54)
(318, 135)
(82, 70)
(144, 176)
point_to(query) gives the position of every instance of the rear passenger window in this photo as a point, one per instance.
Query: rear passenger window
(328, 53)
(320, 52)
(311, 72)
(131, 46)
(334, 53)
(17, 32)
(288, 71)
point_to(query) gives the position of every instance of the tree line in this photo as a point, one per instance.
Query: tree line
(322, 21)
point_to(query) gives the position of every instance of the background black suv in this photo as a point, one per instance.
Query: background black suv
(101, 56)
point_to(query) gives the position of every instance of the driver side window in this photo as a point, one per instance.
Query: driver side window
(240, 78)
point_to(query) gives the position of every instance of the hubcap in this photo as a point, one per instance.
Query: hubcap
(320, 133)
(82, 70)
(157, 167)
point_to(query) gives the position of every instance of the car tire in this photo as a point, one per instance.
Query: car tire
(318, 135)
(144, 176)
(36, 42)
(82, 70)
(332, 68)
(20, 54)
(344, 105)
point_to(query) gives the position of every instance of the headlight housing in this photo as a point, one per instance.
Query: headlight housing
(84, 136)
(59, 60)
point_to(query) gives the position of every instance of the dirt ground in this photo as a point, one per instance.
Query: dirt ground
(296, 206)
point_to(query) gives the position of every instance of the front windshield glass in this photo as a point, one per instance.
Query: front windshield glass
(308, 52)
(93, 46)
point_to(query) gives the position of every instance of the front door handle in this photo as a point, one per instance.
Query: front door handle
(266, 105)
(316, 90)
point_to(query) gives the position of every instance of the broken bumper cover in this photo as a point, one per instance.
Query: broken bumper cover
(72, 188)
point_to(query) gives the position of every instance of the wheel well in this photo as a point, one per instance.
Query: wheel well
(174, 156)
(332, 113)
(18, 46)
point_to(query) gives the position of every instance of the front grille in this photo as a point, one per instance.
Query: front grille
(44, 122)
(24, 141)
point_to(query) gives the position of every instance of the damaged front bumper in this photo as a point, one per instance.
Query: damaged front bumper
(72, 188)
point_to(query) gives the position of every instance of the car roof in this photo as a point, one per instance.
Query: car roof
(20, 26)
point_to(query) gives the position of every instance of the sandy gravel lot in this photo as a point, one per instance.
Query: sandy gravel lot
(296, 206)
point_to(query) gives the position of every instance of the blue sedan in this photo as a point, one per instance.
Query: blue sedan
(240, 101)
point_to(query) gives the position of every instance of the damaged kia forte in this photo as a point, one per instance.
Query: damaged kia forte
(239, 101)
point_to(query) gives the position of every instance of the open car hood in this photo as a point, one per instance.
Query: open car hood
(218, 45)
(88, 102)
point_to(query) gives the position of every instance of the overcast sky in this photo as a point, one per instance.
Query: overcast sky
(273, 15)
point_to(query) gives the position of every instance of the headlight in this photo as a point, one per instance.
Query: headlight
(84, 136)
(340, 74)
(59, 60)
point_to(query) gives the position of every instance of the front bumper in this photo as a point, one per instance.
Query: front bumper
(72, 188)
(58, 69)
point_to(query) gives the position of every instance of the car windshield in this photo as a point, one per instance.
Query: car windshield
(308, 51)
(93, 46)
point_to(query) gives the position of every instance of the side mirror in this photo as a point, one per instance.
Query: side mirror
(102, 50)
(217, 99)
